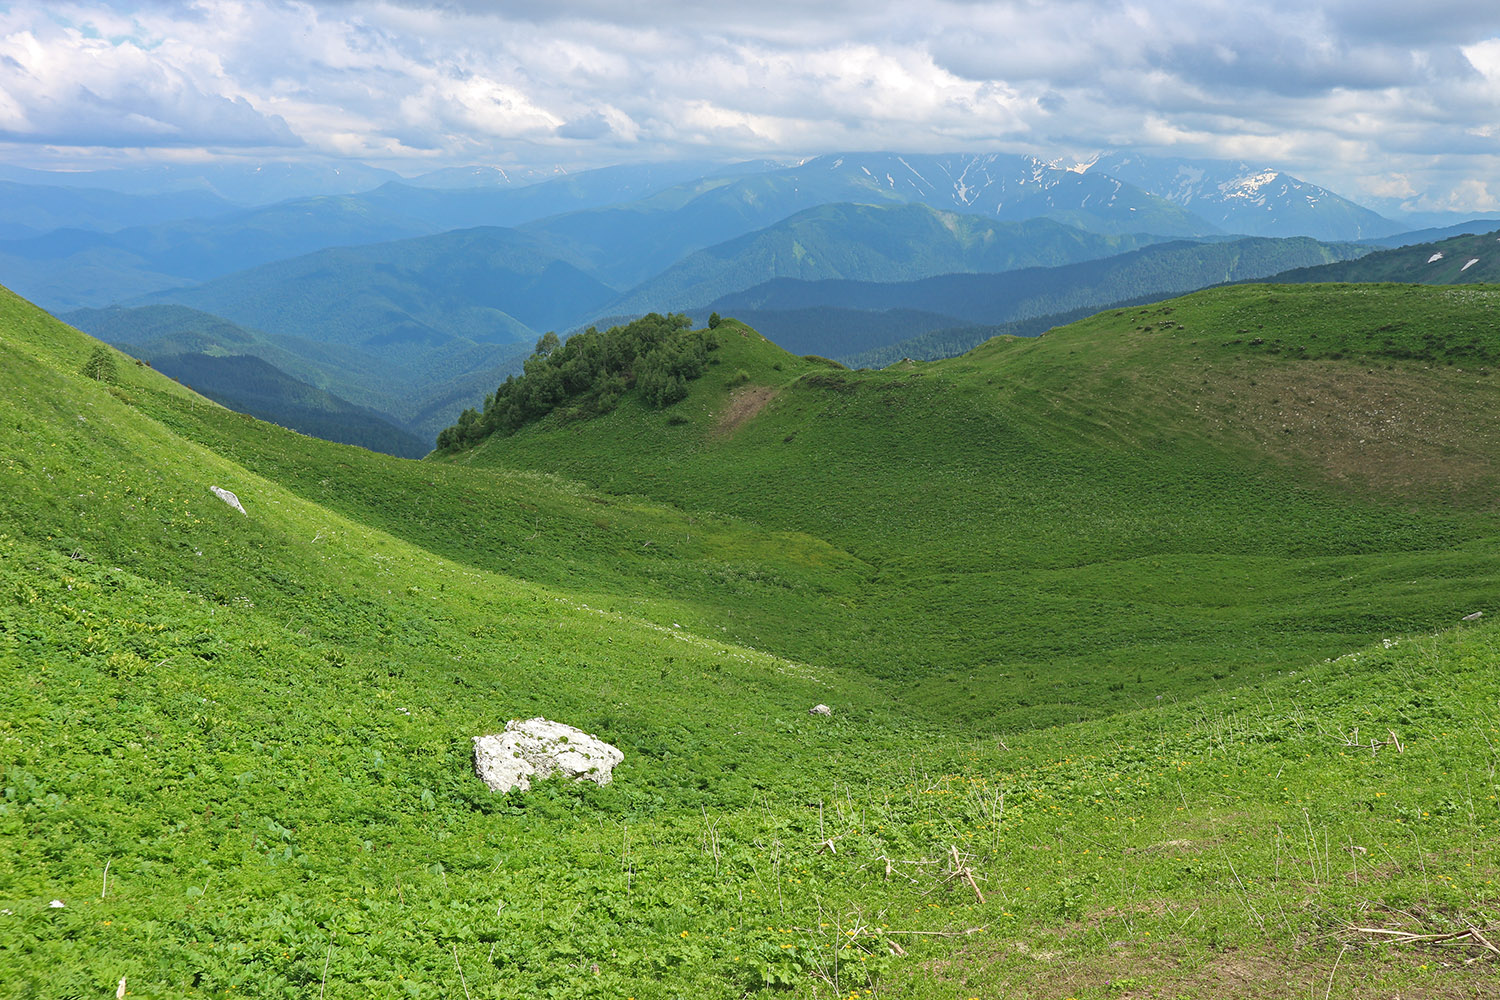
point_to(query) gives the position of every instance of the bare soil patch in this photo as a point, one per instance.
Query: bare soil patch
(1385, 429)
(744, 404)
(1138, 971)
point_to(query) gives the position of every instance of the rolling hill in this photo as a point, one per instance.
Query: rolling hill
(1143, 643)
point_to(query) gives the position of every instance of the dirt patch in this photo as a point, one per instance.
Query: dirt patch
(744, 404)
(1132, 971)
(1389, 430)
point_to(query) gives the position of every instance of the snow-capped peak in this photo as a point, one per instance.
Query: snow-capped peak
(1249, 186)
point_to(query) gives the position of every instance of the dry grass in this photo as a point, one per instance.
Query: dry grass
(1389, 430)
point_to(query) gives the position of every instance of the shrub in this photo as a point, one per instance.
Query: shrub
(101, 366)
(588, 375)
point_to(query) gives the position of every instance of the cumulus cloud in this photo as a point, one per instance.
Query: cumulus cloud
(65, 85)
(1339, 91)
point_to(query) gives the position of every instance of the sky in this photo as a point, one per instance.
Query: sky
(1389, 100)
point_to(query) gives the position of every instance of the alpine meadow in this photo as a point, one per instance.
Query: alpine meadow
(984, 500)
(1142, 640)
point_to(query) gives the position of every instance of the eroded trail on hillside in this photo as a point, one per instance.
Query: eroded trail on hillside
(744, 404)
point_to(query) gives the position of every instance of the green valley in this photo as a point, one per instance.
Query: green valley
(1148, 644)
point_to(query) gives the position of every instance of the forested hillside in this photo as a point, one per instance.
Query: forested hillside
(1156, 271)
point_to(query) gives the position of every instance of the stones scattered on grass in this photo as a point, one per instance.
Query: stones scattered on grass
(539, 748)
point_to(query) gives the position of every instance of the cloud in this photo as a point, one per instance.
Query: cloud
(590, 126)
(1336, 90)
(63, 85)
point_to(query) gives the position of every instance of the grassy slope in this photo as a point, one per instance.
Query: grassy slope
(1100, 504)
(266, 743)
(274, 710)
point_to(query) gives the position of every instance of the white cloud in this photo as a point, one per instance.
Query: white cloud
(69, 83)
(1339, 91)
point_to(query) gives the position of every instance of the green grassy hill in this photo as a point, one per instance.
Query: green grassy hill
(1151, 497)
(236, 747)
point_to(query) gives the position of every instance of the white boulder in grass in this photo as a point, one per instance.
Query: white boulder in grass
(539, 748)
(228, 498)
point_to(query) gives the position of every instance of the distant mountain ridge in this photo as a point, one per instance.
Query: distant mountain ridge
(900, 242)
(249, 384)
(1469, 259)
(630, 242)
(1160, 270)
(418, 393)
(410, 296)
(1239, 197)
(487, 285)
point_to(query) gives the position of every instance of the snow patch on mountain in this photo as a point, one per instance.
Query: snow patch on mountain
(1248, 188)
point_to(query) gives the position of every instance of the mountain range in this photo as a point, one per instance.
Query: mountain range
(1239, 197)
(399, 297)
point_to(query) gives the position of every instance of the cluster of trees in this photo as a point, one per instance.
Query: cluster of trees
(656, 355)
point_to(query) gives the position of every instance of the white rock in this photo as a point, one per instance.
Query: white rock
(539, 748)
(1474, 617)
(228, 498)
(57, 904)
(820, 710)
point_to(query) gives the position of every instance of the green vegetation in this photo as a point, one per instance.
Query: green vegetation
(101, 365)
(1142, 502)
(236, 747)
(843, 333)
(588, 375)
(1459, 260)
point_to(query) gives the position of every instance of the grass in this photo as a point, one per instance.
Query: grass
(259, 724)
(1050, 518)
